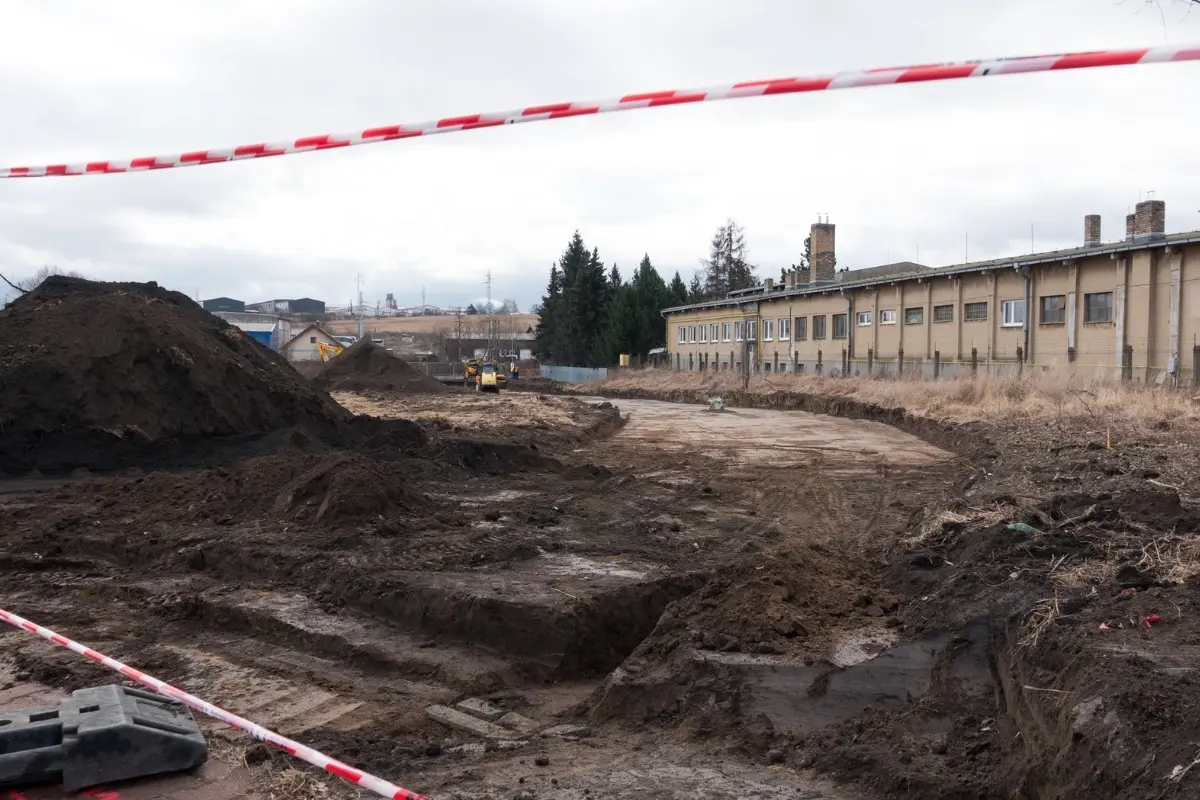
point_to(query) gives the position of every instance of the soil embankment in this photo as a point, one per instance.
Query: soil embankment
(103, 375)
(365, 366)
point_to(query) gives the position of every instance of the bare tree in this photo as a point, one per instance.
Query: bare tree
(25, 285)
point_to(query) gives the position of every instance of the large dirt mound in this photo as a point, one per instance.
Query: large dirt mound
(100, 374)
(364, 366)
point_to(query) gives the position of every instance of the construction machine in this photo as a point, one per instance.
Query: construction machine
(327, 351)
(485, 374)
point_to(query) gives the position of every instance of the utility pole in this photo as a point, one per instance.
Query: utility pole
(422, 299)
(358, 280)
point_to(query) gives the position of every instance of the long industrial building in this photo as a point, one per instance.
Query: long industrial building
(1129, 308)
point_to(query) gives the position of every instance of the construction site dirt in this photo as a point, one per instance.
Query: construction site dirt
(532, 595)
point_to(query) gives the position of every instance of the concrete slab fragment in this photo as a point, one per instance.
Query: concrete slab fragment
(456, 719)
(478, 707)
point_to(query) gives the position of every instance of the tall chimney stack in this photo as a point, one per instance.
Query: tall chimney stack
(1129, 226)
(822, 247)
(768, 285)
(1150, 219)
(1091, 230)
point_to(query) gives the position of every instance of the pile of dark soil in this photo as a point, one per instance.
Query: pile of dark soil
(101, 375)
(1093, 607)
(332, 489)
(366, 366)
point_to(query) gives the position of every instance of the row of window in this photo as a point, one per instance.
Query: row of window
(1097, 307)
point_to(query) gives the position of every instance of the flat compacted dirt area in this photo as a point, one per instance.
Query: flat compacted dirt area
(535, 595)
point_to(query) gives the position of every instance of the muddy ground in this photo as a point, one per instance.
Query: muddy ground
(758, 603)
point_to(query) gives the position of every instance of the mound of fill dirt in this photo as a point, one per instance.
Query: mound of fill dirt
(325, 488)
(100, 375)
(366, 366)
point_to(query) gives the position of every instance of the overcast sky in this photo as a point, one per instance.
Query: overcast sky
(906, 173)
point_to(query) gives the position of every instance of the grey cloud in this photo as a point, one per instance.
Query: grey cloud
(921, 165)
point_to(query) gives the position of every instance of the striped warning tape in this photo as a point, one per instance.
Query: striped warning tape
(344, 771)
(879, 76)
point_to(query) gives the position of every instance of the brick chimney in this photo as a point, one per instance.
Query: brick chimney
(768, 285)
(1091, 230)
(1150, 219)
(789, 279)
(1129, 226)
(822, 248)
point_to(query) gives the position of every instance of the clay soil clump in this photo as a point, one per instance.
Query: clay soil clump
(101, 375)
(365, 366)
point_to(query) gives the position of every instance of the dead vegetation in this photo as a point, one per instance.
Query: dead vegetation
(1034, 395)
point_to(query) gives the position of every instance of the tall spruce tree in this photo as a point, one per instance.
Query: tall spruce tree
(548, 345)
(695, 289)
(678, 292)
(622, 330)
(653, 297)
(586, 306)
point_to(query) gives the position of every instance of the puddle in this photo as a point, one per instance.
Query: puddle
(863, 670)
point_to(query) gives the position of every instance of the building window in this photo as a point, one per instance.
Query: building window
(692, 334)
(766, 364)
(887, 317)
(801, 328)
(712, 332)
(312, 340)
(943, 313)
(785, 329)
(682, 338)
(725, 326)
(703, 334)
(1012, 313)
(864, 319)
(768, 330)
(739, 331)
(1054, 309)
(819, 326)
(914, 316)
(975, 312)
(751, 330)
(1098, 307)
(839, 326)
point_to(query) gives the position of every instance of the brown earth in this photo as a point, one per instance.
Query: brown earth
(1056, 583)
(365, 366)
(737, 604)
(103, 375)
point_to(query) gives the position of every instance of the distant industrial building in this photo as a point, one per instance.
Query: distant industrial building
(299, 305)
(268, 330)
(222, 304)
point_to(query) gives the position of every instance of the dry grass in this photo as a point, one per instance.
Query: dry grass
(1032, 396)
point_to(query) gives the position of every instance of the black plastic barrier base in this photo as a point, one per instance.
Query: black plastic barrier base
(100, 735)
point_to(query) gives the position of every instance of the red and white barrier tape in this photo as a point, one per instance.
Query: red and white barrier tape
(879, 76)
(344, 771)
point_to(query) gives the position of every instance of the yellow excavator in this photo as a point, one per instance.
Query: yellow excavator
(328, 351)
(485, 374)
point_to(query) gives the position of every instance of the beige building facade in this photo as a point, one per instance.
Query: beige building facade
(1127, 309)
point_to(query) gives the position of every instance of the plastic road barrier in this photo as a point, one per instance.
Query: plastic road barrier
(344, 771)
